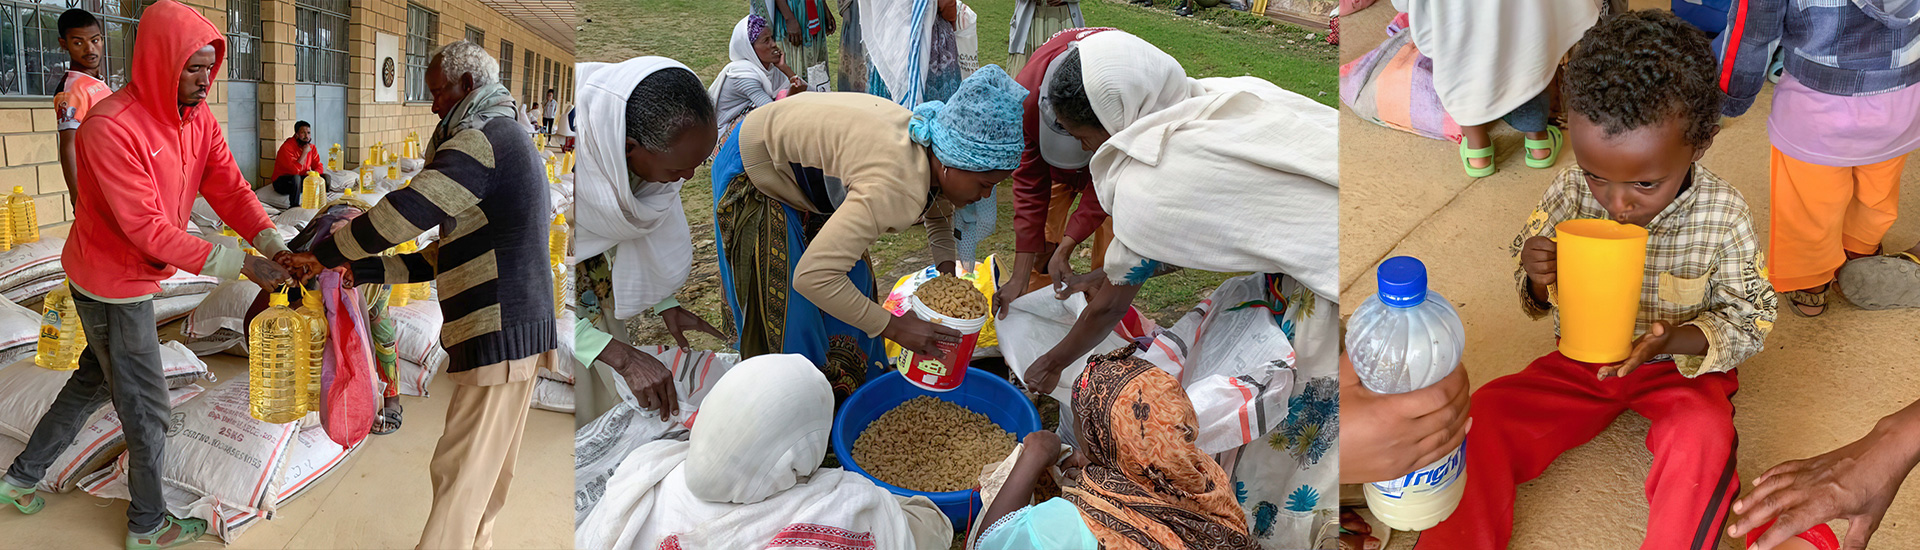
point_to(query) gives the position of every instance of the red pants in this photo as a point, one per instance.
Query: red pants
(1522, 422)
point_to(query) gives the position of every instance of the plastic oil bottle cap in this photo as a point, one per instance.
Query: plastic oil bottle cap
(278, 299)
(560, 219)
(19, 189)
(1403, 281)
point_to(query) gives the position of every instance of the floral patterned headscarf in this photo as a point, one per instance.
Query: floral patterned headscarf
(1146, 485)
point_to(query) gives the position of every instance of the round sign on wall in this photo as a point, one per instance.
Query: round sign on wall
(386, 73)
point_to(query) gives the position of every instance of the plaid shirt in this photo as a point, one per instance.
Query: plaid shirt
(1834, 47)
(1704, 267)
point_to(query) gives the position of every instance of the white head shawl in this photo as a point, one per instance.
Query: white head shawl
(899, 44)
(762, 427)
(647, 229)
(1258, 166)
(1127, 78)
(745, 63)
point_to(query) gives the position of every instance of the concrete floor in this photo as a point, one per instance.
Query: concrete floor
(377, 499)
(1820, 384)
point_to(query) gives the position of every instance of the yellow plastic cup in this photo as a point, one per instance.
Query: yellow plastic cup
(1602, 265)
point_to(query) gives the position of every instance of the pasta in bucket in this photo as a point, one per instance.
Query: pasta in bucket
(953, 296)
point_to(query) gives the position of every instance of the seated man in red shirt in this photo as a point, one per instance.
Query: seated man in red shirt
(297, 156)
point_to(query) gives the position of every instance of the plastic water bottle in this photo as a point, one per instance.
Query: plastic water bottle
(61, 339)
(273, 357)
(1402, 339)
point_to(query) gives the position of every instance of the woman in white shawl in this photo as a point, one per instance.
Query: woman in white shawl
(754, 75)
(1216, 174)
(749, 476)
(632, 247)
(1492, 61)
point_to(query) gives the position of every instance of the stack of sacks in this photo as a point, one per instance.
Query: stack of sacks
(19, 332)
(226, 467)
(27, 391)
(29, 271)
(180, 294)
(219, 324)
(554, 389)
(416, 329)
(340, 180)
(599, 446)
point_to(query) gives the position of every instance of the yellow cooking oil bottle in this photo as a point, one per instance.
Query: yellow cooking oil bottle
(333, 158)
(312, 343)
(314, 193)
(6, 221)
(273, 357)
(366, 170)
(61, 337)
(400, 294)
(566, 164)
(557, 257)
(21, 214)
(393, 172)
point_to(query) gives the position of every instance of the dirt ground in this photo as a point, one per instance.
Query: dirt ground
(1821, 383)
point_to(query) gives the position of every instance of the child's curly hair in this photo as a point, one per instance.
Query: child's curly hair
(1638, 68)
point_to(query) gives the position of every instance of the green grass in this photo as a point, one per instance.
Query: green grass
(1217, 42)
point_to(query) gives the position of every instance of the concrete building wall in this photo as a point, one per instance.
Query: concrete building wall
(29, 146)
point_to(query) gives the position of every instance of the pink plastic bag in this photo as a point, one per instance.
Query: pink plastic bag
(348, 401)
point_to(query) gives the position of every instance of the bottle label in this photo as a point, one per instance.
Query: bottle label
(50, 324)
(1433, 479)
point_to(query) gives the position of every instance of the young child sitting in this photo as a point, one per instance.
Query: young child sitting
(1643, 108)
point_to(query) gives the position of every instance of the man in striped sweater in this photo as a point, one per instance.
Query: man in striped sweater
(484, 188)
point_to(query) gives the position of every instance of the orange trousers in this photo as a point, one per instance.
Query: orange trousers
(1059, 210)
(1820, 213)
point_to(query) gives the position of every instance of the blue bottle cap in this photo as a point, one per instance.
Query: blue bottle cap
(1403, 281)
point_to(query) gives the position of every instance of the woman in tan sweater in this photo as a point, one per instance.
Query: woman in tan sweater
(803, 187)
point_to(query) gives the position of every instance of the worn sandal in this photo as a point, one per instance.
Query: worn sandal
(1468, 154)
(14, 493)
(184, 532)
(387, 417)
(1882, 282)
(1809, 299)
(1555, 140)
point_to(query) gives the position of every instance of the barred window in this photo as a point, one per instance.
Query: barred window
(422, 28)
(506, 65)
(476, 36)
(320, 41)
(243, 40)
(526, 85)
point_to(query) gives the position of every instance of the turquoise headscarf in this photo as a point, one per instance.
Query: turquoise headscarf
(1054, 524)
(978, 129)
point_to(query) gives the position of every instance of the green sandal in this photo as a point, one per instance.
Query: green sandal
(1466, 160)
(1555, 140)
(13, 493)
(186, 531)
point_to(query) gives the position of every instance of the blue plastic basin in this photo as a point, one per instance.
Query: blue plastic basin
(982, 392)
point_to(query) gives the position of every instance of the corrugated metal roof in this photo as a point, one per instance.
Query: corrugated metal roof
(551, 19)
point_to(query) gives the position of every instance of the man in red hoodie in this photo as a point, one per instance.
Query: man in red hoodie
(144, 153)
(296, 158)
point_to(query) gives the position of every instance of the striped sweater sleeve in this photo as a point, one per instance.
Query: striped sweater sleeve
(1744, 50)
(394, 270)
(453, 182)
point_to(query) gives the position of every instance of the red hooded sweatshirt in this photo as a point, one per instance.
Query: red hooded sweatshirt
(141, 163)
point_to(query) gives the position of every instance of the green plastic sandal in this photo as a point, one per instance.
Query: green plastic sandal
(1553, 143)
(13, 493)
(188, 531)
(1466, 160)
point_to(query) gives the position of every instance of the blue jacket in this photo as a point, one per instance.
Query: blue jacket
(1839, 47)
